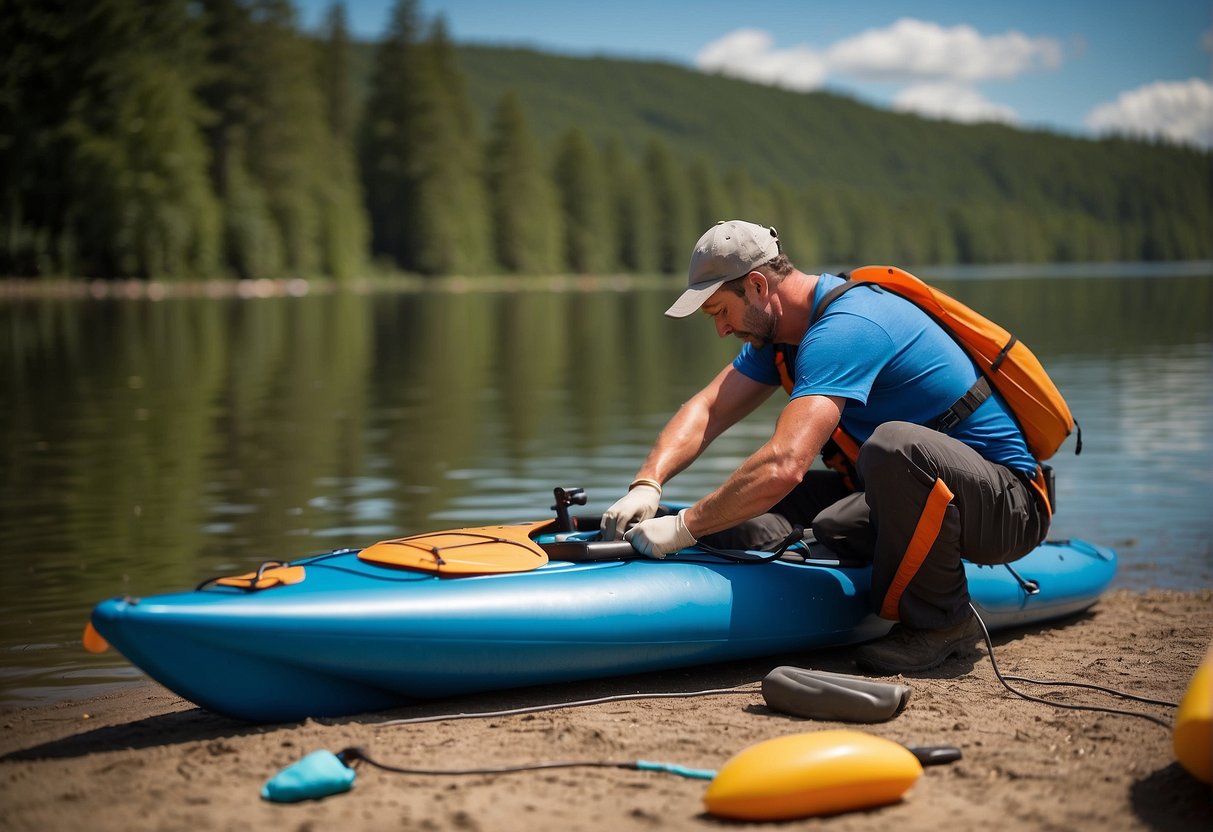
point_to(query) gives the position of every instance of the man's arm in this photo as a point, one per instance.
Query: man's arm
(726, 400)
(773, 470)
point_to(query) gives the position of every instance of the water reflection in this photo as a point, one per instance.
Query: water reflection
(145, 446)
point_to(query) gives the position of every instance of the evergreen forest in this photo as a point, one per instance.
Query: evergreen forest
(200, 138)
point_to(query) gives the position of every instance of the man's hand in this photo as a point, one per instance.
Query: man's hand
(640, 503)
(658, 537)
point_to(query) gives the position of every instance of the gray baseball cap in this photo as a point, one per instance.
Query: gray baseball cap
(728, 250)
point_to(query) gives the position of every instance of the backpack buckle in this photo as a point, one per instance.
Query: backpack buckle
(948, 420)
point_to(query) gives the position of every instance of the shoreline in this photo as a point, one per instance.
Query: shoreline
(143, 758)
(137, 289)
(153, 289)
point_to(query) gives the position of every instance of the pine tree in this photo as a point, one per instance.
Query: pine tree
(335, 79)
(133, 198)
(342, 213)
(525, 219)
(286, 138)
(633, 213)
(419, 154)
(252, 239)
(280, 139)
(675, 230)
(39, 77)
(748, 201)
(452, 202)
(797, 237)
(826, 209)
(388, 139)
(584, 204)
(710, 202)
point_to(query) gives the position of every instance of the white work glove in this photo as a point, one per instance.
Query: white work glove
(640, 503)
(659, 536)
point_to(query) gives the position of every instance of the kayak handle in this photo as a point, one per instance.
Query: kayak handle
(585, 551)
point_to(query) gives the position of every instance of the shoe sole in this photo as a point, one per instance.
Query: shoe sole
(890, 670)
(876, 666)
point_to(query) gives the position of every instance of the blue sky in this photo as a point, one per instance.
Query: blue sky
(1075, 66)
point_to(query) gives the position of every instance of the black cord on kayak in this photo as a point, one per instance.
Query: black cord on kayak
(743, 556)
(355, 754)
(1067, 705)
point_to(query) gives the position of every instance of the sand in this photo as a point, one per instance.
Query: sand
(146, 759)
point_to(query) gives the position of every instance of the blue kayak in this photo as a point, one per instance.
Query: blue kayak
(491, 608)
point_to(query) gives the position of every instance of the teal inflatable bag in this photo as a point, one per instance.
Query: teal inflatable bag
(317, 775)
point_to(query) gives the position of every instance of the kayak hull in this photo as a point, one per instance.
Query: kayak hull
(355, 636)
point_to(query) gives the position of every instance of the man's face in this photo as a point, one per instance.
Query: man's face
(741, 316)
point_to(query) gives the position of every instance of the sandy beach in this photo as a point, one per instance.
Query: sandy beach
(146, 759)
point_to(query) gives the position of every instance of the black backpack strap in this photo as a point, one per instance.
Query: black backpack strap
(963, 407)
(835, 293)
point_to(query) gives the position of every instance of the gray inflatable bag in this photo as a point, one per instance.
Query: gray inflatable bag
(816, 694)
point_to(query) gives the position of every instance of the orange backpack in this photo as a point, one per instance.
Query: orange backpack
(1004, 361)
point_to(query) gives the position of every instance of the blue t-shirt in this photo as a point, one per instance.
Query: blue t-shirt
(891, 362)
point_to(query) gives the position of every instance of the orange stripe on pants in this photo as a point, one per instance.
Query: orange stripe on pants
(925, 533)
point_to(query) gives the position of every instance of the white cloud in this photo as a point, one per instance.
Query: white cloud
(952, 101)
(952, 59)
(1181, 111)
(921, 49)
(750, 54)
(908, 50)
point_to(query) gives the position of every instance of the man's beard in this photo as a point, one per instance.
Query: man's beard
(758, 325)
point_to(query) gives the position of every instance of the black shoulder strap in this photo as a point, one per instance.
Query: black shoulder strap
(834, 294)
(963, 407)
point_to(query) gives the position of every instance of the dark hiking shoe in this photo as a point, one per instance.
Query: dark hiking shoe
(905, 650)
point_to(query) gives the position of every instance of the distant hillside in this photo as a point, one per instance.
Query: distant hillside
(818, 138)
(1159, 196)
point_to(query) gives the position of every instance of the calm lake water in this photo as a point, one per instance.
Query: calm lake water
(146, 445)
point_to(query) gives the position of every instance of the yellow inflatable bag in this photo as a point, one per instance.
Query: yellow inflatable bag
(1193, 735)
(822, 773)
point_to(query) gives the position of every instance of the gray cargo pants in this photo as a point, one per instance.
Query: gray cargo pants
(928, 501)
